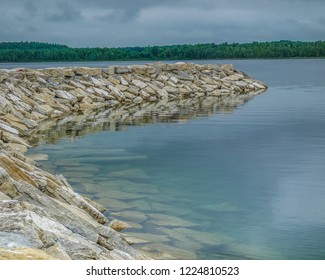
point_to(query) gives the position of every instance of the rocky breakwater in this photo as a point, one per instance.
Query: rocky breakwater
(41, 217)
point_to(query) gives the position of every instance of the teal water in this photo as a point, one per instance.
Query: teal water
(242, 182)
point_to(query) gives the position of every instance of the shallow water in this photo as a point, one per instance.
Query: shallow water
(228, 181)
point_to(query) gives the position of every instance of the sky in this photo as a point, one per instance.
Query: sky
(121, 23)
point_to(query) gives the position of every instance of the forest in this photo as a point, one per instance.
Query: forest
(39, 52)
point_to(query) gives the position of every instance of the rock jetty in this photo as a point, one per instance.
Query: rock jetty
(41, 217)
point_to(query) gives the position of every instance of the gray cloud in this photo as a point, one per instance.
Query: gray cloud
(81, 23)
(63, 11)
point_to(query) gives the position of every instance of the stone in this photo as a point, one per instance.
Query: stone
(56, 251)
(133, 90)
(3, 196)
(87, 71)
(4, 176)
(137, 100)
(98, 81)
(14, 171)
(118, 225)
(16, 146)
(8, 128)
(44, 109)
(174, 80)
(122, 87)
(68, 72)
(164, 251)
(38, 157)
(122, 70)
(66, 95)
(226, 67)
(139, 84)
(114, 80)
(24, 254)
(170, 89)
(3, 76)
(163, 94)
(171, 221)
(116, 93)
(77, 84)
(96, 205)
(123, 81)
(102, 93)
(259, 85)
(147, 237)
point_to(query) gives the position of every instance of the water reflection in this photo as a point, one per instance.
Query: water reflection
(120, 117)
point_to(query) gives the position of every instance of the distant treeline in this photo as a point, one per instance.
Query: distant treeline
(37, 52)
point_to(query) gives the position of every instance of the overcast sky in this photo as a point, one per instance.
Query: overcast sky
(113, 23)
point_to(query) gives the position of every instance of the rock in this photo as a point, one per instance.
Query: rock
(164, 251)
(163, 94)
(147, 237)
(259, 85)
(131, 216)
(170, 89)
(3, 196)
(98, 82)
(4, 176)
(9, 189)
(56, 251)
(14, 171)
(87, 71)
(116, 93)
(68, 72)
(122, 70)
(226, 67)
(103, 93)
(38, 157)
(8, 128)
(184, 76)
(66, 95)
(114, 80)
(118, 225)
(44, 109)
(3, 76)
(137, 100)
(171, 221)
(16, 146)
(123, 81)
(24, 254)
(139, 84)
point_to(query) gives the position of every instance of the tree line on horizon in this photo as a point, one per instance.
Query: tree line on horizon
(42, 52)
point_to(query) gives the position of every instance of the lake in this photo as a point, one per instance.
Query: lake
(241, 181)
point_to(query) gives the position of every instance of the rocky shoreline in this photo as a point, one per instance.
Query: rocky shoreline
(41, 217)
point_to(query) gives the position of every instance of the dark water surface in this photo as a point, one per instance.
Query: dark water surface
(244, 184)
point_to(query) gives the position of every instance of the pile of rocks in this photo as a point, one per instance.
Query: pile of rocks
(40, 214)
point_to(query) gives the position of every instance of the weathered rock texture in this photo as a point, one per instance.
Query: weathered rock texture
(40, 214)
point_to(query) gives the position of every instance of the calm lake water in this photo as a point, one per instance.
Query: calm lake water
(245, 183)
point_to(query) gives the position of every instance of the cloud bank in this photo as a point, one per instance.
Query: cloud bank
(100, 23)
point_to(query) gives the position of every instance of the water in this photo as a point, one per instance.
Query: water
(233, 183)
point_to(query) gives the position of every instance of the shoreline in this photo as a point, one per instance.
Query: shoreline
(48, 215)
(22, 64)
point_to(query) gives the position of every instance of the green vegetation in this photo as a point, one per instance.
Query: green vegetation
(36, 52)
